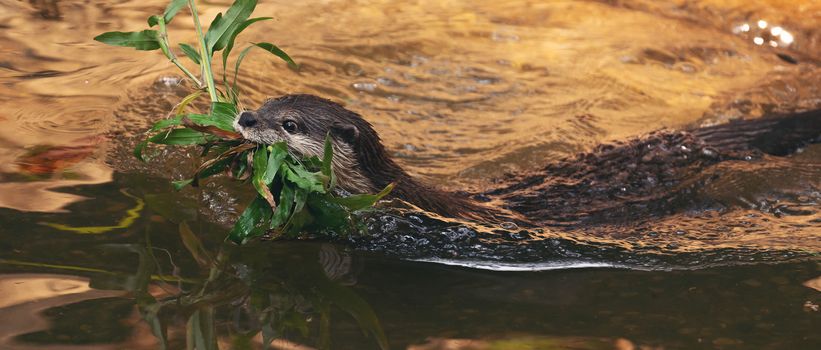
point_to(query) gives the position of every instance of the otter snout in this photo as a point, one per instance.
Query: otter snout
(247, 119)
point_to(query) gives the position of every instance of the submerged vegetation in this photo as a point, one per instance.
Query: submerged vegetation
(293, 193)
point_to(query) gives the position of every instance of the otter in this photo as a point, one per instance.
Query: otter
(638, 177)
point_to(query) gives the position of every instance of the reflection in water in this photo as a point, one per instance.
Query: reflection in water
(250, 292)
(130, 216)
(30, 175)
(246, 296)
(39, 195)
(183, 285)
(27, 296)
(814, 283)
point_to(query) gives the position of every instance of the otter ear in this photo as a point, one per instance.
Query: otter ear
(346, 132)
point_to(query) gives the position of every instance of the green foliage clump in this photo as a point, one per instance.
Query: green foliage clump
(292, 194)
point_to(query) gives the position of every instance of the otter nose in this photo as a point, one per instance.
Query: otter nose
(247, 119)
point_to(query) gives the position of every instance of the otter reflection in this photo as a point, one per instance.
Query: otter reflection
(253, 295)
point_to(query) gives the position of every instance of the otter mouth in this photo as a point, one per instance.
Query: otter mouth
(250, 135)
(241, 130)
(244, 123)
(247, 133)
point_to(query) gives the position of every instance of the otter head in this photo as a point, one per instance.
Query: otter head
(303, 121)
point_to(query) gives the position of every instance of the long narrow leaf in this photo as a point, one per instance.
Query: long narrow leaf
(251, 222)
(210, 168)
(200, 119)
(327, 162)
(230, 44)
(305, 179)
(236, 67)
(220, 32)
(278, 152)
(278, 52)
(145, 40)
(329, 214)
(170, 11)
(225, 113)
(211, 129)
(139, 149)
(284, 209)
(362, 201)
(214, 24)
(258, 179)
(178, 185)
(221, 162)
(186, 101)
(190, 52)
(180, 137)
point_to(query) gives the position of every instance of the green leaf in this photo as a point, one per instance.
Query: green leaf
(250, 223)
(283, 211)
(178, 185)
(236, 67)
(180, 137)
(278, 52)
(278, 152)
(305, 179)
(327, 162)
(144, 40)
(230, 44)
(139, 149)
(238, 172)
(300, 198)
(331, 215)
(180, 109)
(224, 113)
(267, 47)
(299, 220)
(213, 169)
(260, 162)
(260, 168)
(220, 31)
(176, 121)
(214, 24)
(170, 11)
(190, 52)
(362, 201)
(153, 20)
(201, 119)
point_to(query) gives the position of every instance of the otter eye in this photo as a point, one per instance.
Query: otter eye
(289, 126)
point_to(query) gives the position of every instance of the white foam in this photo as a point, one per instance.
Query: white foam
(510, 266)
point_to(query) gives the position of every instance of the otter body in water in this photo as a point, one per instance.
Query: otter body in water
(642, 176)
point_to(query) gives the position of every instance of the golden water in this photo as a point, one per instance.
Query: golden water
(460, 91)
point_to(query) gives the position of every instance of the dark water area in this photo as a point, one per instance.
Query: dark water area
(98, 252)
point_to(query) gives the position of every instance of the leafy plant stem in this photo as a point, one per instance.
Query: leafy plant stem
(164, 45)
(205, 55)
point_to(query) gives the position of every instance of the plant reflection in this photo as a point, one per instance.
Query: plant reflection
(249, 296)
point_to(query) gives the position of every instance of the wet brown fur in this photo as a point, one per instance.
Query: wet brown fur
(614, 182)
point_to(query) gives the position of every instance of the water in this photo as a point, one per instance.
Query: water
(93, 252)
